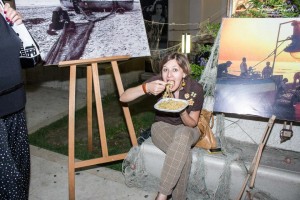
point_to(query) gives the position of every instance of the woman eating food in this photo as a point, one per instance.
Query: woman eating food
(175, 133)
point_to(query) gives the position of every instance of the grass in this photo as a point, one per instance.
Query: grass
(54, 137)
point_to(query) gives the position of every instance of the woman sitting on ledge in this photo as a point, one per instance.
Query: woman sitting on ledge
(173, 133)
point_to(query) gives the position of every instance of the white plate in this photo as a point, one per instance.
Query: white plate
(171, 99)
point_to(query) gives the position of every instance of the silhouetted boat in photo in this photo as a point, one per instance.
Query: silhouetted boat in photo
(253, 96)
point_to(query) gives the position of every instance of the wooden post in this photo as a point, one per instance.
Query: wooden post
(260, 150)
(89, 102)
(71, 131)
(255, 162)
(93, 84)
(125, 109)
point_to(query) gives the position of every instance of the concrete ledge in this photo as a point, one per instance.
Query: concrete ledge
(278, 182)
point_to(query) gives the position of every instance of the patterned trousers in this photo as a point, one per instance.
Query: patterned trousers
(14, 157)
(176, 142)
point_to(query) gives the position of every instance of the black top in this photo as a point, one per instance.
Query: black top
(192, 92)
(12, 93)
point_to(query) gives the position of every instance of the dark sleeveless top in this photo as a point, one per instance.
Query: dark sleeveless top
(12, 92)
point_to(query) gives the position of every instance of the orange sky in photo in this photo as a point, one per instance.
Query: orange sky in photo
(254, 38)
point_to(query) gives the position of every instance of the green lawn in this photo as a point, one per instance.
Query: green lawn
(55, 136)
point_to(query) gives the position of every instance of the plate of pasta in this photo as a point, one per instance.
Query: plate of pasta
(171, 105)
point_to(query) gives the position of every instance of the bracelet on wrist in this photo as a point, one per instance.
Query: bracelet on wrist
(144, 88)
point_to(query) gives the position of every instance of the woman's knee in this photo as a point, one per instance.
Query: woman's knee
(187, 134)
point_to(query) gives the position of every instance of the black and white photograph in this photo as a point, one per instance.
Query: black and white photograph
(155, 14)
(73, 29)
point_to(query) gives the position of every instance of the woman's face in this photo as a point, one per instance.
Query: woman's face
(172, 73)
(158, 9)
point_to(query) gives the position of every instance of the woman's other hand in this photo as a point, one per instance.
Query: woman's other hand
(12, 15)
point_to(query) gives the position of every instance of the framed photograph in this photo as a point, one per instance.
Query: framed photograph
(73, 29)
(258, 69)
(155, 14)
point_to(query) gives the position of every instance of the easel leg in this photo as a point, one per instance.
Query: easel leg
(72, 132)
(125, 109)
(260, 150)
(255, 162)
(89, 101)
(99, 109)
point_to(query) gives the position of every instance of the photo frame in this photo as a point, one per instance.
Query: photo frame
(155, 13)
(72, 30)
(257, 72)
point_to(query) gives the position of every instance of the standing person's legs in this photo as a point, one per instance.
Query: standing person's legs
(15, 158)
(176, 142)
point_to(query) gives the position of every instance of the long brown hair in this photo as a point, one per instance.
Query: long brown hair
(181, 60)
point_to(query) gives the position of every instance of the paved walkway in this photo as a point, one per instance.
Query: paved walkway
(46, 105)
(49, 177)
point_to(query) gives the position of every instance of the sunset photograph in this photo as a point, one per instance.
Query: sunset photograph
(258, 67)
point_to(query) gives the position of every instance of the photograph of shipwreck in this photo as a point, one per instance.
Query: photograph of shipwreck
(71, 30)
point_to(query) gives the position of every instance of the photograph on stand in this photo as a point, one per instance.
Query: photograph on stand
(258, 68)
(155, 13)
(72, 30)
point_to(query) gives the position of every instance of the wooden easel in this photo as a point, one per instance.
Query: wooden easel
(255, 162)
(93, 80)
